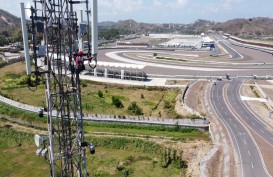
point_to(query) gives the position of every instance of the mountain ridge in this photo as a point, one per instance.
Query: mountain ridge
(257, 26)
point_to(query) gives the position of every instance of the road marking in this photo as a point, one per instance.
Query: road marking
(248, 153)
(262, 131)
(253, 123)
(245, 142)
(252, 164)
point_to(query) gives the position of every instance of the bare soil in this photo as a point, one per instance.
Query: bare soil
(268, 92)
(214, 164)
(195, 97)
(177, 82)
(179, 108)
(193, 153)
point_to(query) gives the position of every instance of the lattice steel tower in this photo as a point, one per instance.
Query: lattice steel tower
(57, 37)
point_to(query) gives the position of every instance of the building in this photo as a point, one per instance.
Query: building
(207, 42)
(132, 44)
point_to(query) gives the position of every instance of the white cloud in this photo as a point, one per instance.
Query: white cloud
(177, 4)
(121, 5)
(227, 4)
(181, 3)
(104, 3)
(210, 8)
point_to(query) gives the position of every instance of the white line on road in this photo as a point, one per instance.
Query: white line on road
(262, 131)
(248, 153)
(252, 164)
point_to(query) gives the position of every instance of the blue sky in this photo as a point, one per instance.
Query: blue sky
(170, 11)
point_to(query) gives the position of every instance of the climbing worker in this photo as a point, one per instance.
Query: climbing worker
(80, 62)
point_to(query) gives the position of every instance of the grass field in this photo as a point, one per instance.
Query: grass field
(116, 156)
(152, 101)
(32, 120)
(121, 157)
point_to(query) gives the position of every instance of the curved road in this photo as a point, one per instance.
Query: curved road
(242, 125)
(225, 102)
(244, 61)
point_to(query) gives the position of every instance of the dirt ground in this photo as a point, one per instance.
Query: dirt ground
(268, 91)
(177, 82)
(179, 108)
(23, 128)
(214, 164)
(195, 97)
(193, 153)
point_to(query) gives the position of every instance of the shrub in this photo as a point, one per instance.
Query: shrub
(84, 85)
(194, 116)
(116, 101)
(134, 108)
(100, 94)
(167, 104)
(142, 96)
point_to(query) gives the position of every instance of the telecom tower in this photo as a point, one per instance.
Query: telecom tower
(57, 36)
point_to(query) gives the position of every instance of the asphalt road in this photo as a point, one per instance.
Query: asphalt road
(246, 115)
(240, 55)
(226, 103)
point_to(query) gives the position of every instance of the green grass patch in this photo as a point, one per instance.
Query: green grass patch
(31, 119)
(18, 158)
(180, 134)
(96, 97)
(114, 157)
(169, 58)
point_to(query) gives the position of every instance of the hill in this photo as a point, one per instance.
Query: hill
(247, 27)
(10, 30)
(8, 21)
(259, 26)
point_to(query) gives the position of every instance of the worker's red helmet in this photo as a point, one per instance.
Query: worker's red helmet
(79, 53)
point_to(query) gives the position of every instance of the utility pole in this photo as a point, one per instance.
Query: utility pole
(57, 23)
